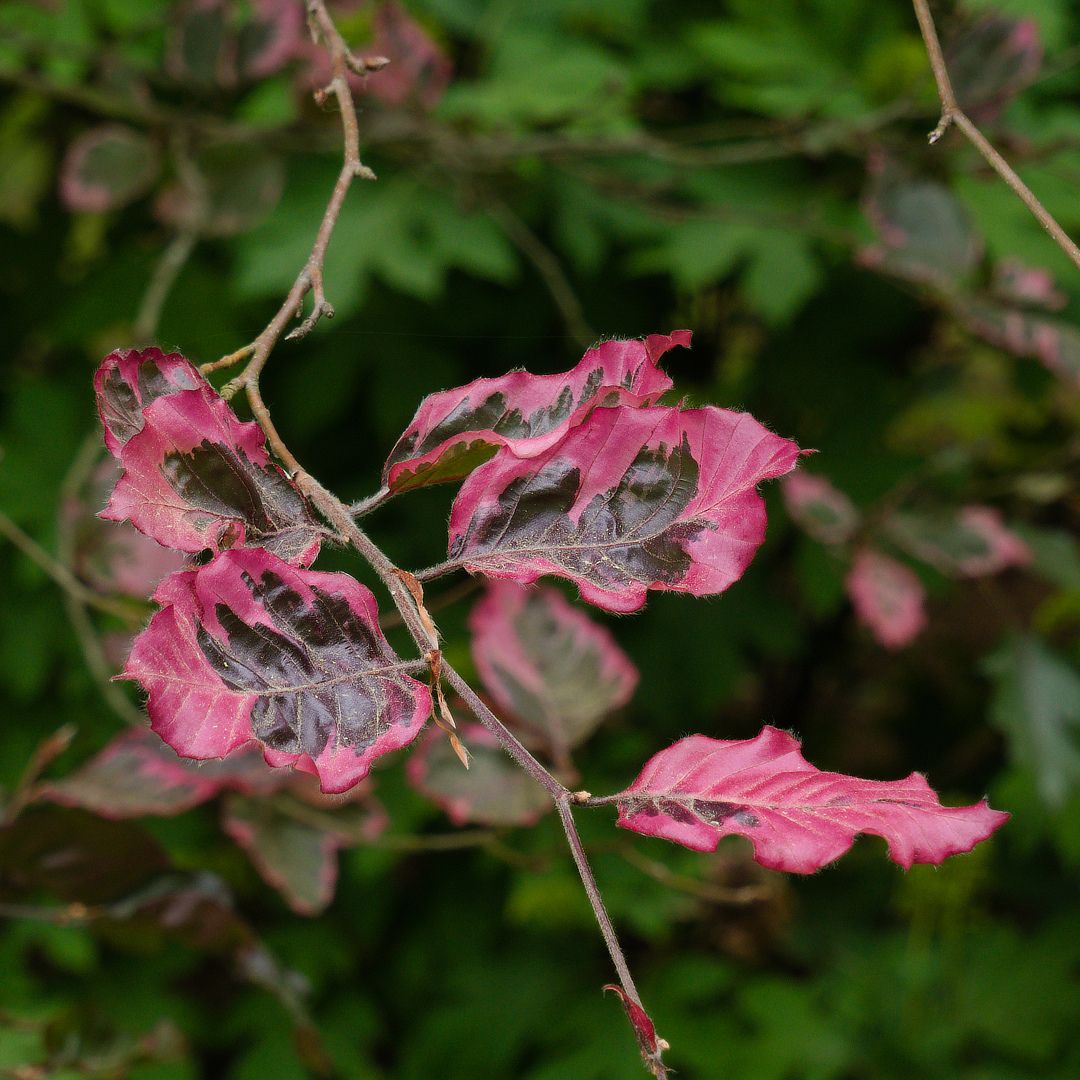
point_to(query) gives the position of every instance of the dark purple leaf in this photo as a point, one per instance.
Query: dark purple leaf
(137, 775)
(630, 500)
(456, 430)
(419, 69)
(887, 597)
(493, 791)
(107, 168)
(251, 650)
(555, 671)
(130, 379)
(820, 509)
(195, 477)
(797, 817)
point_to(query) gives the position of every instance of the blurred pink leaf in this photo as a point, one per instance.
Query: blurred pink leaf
(297, 853)
(887, 597)
(453, 431)
(817, 507)
(633, 499)
(107, 168)
(991, 61)
(494, 790)
(798, 818)
(250, 650)
(1027, 285)
(137, 775)
(924, 234)
(973, 542)
(556, 672)
(419, 69)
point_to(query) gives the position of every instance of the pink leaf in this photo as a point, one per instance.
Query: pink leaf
(419, 69)
(251, 650)
(630, 500)
(297, 855)
(1030, 285)
(973, 542)
(820, 509)
(887, 597)
(196, 477)
(107, 168)
(137, 775)
(456, 430)
(797, 817)
(547, 664)
(991, 61)
(494, 790)
(130, 379)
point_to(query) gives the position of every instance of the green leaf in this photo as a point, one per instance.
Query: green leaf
(1037, 704)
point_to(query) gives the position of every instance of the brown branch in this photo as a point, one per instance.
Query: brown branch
(952, 114)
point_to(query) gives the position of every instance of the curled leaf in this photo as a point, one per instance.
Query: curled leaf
(797, 817)
(195, 477)
(128, 380)
(554, 670)
(493, 792)
(630, 500)
(249, 649)
(887, 597)
(455, 430)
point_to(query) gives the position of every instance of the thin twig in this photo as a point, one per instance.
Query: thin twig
(438, 570)
(363, 507)
(952, 114)
(550, 270)
(161, 282)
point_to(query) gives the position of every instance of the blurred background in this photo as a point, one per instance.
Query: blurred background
(550, 173)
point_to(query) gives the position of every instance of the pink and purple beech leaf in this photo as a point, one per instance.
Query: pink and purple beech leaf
(249, 649)
(798, 818)
(137, 775)
(972, 542)
(547, 664)
(298, 855)
(819, 509)
(128, 380)
(107, 168)
(494, 790)
(888, 598)
(991, 61)
(195, 477)
(631, 499)
(454, 431)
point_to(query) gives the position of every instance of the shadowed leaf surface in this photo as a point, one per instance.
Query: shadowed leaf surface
(553, 669)
(456, 430)
(137, 774)
(249, 649)
(630, 500)
(493, 791)
(797, 817)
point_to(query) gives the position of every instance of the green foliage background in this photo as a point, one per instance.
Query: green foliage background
(698, 165)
